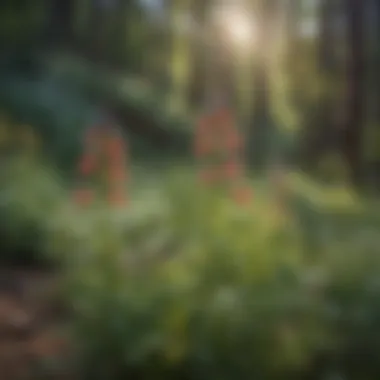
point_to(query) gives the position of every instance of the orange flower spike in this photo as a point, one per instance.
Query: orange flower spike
(232, 170)
(242, 195)
(206, 121)
(83, 197)
(87, 165)
(117, 174)
(209, 176)
(117, 198)
(224, 119)
(202, 147)
(89, 160)
(233, 141)
(202, 138)
(117, 170)
(116, 153)
(115, 147)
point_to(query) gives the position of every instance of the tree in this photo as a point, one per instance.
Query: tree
(262, 126)
(59, 25)
(327, 35)
(353, 128)
(179, 15)
(329, 75)
(199, 11)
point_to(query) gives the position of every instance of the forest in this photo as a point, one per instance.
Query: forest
(189, 189)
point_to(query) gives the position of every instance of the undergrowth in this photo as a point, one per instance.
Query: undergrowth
(186, 284)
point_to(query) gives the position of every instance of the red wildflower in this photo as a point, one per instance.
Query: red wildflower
(220, 138)
(209, 176)
(115, 147)
(87, 164)
(204, 124)
(117, 198)
(104, 140)
(202, 137)
(242, 195)
(232, 170)
(223, 116)
(83, 197)
(203, 146)
(209, 119)
(233, 140)
(116, 167)
(117, 174)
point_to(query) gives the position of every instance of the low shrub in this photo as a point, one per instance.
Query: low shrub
(187, 284)
(227, 301)
(30, 197)
(209, 289)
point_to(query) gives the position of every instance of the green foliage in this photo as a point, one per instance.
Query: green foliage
(220, 303)
(30, 197)
(130, 94)
(58, 115)
(233, 298)
(187, 284)
(58, 102)
(21, 22)
(352, 305)
(372, 143)
(332, 168)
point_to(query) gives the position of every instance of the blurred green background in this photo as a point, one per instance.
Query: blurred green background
(184, 283)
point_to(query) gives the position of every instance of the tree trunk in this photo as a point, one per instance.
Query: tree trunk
(327, 35)
(59, 25)
(96, 30)
(292, 21)
(353, 131)
(180, 55)
(261, 131)
(326, 135)
(198, 77)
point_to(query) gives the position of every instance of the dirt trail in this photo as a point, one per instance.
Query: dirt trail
(32, 343)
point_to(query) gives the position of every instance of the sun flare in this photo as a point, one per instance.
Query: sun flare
(237, 24)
